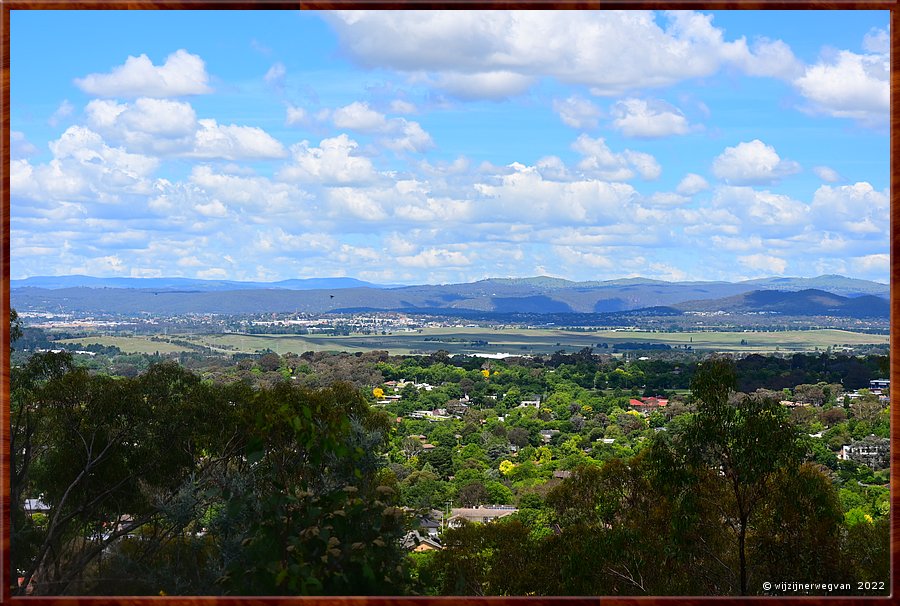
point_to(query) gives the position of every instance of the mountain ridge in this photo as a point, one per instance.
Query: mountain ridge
(512, 295)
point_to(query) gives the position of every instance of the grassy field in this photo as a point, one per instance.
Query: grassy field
(130, 344)
(515, 341)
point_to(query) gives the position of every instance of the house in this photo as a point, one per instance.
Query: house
(533, 403)
(647, 404)
(479, 515)
(880, 384)
(33, 506)
(547, 435)
(871, 451)
(414, 541)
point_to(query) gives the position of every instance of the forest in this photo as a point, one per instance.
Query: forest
(306, 474)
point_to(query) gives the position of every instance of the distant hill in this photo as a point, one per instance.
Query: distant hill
(539, 295)
(810, 302)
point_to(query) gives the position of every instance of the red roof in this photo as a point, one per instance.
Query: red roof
(649, 402)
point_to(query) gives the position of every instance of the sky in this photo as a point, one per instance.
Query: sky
(440, 147)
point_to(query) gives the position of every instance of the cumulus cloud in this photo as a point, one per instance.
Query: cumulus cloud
(83, 167)
(163, 126)
(525, 196)
(763, 211)
(356, 203)
(251, 194)
(600, 161)
(648, 118)
(752, 162)
(577, 112)
(181, 74)
(359, 116)
(692, 184)
(859, 209)
(764, 264)
(497, 54)
(435, 257)
(397, 134)
(826, 174)
(849, 85)
(333, 162)
(233, 142)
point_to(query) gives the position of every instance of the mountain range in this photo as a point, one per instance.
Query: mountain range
(542, 295)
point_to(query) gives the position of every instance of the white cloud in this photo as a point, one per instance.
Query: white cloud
(233, 142)
(577, 112)
(359, 116)
(764, 264)
(435, 257)
(157, 126)
(826, 174)
(524, 196)
(213, 209)
(399, 106)
(83, 167)
(650, 119)
(849, 86)
(258, 195)
(766, 58)
(763, 211)
(601, 162)
(19, 146)
(692, 184)
(877, 40)
(494, 85)
(399, 134)
(181, 74)
(346, 202)
(752, 162)
(497, 54)
(166, 127)
(333, 162)
(408, 137)
(878, 264)
(275, 76)
(859, 209)
(62, 112)
(296, 116)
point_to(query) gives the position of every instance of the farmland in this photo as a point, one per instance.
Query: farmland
(494, 340)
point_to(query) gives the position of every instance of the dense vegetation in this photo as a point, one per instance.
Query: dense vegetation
(281, 475)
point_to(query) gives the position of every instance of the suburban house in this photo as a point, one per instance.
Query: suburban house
(648, 404)
(481, 514)
(415, 541)
(879, 384)
(547, 435)
(871, 451)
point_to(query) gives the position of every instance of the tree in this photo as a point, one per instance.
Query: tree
(472, 494)
(100, 452)
(747, 438)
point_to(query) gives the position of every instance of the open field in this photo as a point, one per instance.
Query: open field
(514, 341)
(130, 344)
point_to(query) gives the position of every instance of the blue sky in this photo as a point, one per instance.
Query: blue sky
(435, 147)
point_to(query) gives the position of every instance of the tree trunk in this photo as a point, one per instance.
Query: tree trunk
(742, 554)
